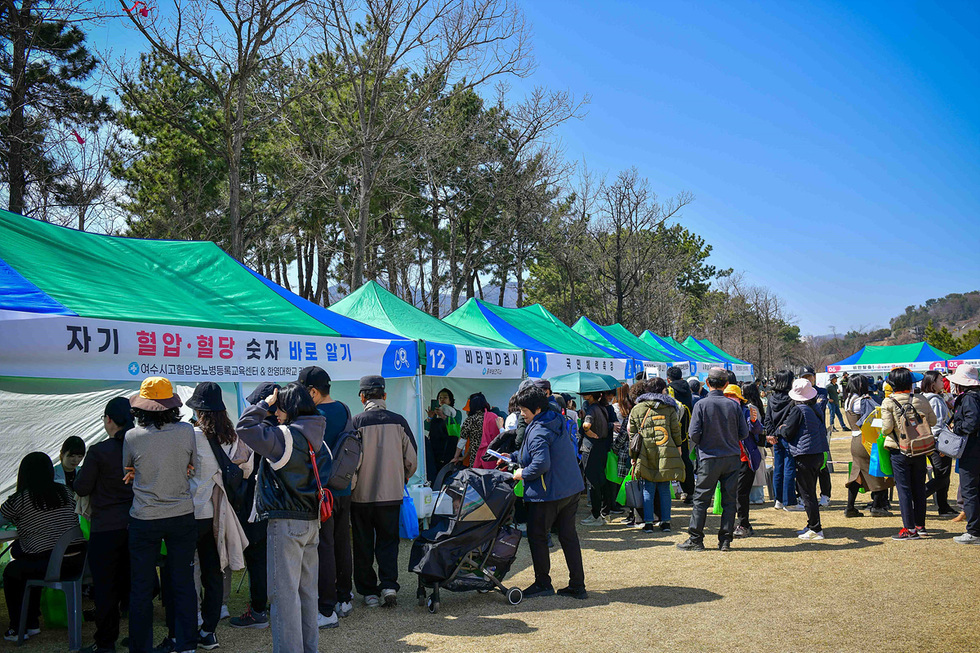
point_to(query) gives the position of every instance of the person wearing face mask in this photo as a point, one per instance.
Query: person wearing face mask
(110, 500)
(72, 452)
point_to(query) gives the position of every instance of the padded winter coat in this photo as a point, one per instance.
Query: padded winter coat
(655, 418)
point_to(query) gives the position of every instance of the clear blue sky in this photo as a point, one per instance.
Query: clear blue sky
(833, 148)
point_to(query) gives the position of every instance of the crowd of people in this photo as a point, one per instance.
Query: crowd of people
(204, 497)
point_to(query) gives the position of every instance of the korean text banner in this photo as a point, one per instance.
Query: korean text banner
(546, 365)
(83, 348)
(472, 362)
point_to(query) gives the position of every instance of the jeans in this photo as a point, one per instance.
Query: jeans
(970, 485)
(711, 471)
(211, 577)
(108, 559)
(807, 471)
(541, 516)
(256, 561)
(292, 573)
(375, 535)
(942, 468)
(783, 474)
(835, 413)
(910, 480)
(656, 501)
(744, 488)
(145, 536)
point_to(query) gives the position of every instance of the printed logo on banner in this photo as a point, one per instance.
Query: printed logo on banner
(134, 368)
(440, 360)
(400, 359)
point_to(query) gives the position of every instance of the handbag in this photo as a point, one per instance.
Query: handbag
(949, 444)
(914, 436)
(408, 518)
(324, 496)
(634, 491)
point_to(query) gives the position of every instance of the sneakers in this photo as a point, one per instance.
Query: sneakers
(824, 501)
(167, 645)
(690, 544)
(665, 527)
(344, 609)
(906, 534)
(389, 598)
(579, 594)
(853, 512)
(779, 505)
(725, 545)
(811, 536)
(207, 641)
(333, 621)
(648, 527)
(797, 508)
(880, 512)
(372, 600)
(966, 538)
(536, 590)
(11, 634)
(617, 510)
(251, 619)
(742, 531)
(922, 532)
(224, 613)
(593, 521)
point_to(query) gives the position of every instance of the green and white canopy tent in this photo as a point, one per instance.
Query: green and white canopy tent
(84, 318)
(451, 357)
(645, 357)
(550, 347)
(917, 356)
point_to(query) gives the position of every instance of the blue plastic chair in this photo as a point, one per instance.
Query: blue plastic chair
(71, 586)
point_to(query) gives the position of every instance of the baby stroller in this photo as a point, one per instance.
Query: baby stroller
(472, 544)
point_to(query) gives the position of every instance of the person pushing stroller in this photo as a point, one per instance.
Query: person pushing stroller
(552, 486)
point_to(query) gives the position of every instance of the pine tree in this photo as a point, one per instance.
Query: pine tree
(44, 64)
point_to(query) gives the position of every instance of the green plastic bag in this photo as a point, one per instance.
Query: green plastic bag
(621, 497)
(612, 468)
(519, 489)
(453, 428)
(826, 457)
(716, 508)
(54, 608)
(884, 457)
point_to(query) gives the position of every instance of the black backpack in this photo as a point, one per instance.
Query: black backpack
(232, 477)
(346, 456)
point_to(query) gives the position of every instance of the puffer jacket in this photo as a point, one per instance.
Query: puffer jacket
(548, 460)
(804, 431)
(655, 418)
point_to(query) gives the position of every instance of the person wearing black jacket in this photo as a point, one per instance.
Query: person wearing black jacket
(966, 423)
(681, 391)
(110, 500)
(783, 467)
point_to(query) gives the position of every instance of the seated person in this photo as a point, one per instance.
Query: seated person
(72, 452)
(43, 511)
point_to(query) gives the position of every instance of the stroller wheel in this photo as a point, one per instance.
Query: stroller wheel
(515, 595)
(432, 605)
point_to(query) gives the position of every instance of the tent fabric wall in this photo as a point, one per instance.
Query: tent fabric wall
(918, 356)
(39, 414)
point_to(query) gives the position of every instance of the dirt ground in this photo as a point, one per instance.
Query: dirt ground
(856, 591)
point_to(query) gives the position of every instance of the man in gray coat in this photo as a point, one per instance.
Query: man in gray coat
(717, 426)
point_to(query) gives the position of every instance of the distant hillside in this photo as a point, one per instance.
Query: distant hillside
(956, 311)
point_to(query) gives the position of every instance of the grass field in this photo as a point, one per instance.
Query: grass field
(856, 591)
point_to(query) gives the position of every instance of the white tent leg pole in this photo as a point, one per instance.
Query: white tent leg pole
(420, 420)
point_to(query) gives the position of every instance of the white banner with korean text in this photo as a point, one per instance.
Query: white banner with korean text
(84, 348)
(546, 365)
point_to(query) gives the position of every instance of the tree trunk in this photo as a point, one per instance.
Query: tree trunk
(322, 289)
(298, 247)
(17, 180)
(520, 286)
(436, 305)
(363, 216)
(285, 275)
(310, 252)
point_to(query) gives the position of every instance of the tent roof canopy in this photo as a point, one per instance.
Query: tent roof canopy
(707, 348)
(514, 325)
(377, 306)
(677, 354)
(48, 269)
(916, 352)
(604, 337)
